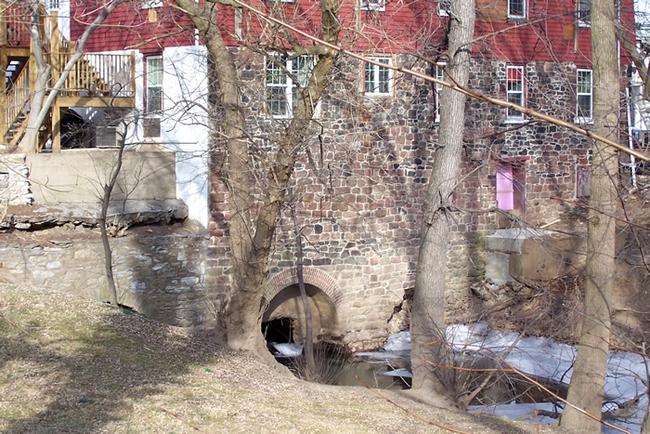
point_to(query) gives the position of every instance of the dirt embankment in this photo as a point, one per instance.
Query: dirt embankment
(72, 365)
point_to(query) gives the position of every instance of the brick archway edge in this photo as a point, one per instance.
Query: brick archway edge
(313, 276)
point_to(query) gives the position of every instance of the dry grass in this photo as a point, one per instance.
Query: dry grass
(71, 365)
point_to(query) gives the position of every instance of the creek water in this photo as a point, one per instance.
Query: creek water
(547, 361)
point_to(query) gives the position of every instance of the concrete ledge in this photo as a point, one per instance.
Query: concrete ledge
(120, 213)
(512, 240)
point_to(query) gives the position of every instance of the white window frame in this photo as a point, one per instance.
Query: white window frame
(287, 85)
(372, 5)
(439, 72)
(579, 117)
(443, 10)
(579, 16)
(375, 72)
(518, 17)
(513, 116)
(152, 4)
(148, 112)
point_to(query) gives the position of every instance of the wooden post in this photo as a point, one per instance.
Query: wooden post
(56, 128)
(55, 47)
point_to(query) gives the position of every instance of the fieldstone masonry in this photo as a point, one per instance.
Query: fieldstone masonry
(161, 275)
(14, 182)
(360, 185)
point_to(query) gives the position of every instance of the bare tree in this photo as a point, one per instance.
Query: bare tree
(428, 311)
(251, 234)
(588, 379)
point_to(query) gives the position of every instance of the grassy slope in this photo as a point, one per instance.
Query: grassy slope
(71, 365)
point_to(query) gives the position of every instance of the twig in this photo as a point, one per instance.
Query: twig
(174, 415)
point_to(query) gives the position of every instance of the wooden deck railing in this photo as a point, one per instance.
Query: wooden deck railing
(17, 98)
(107, 75)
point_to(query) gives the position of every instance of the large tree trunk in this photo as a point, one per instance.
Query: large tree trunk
(428, 311)
(588, 379)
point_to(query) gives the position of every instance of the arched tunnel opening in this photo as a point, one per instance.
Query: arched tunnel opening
(278, 330)
(283, 327)
(284, 318)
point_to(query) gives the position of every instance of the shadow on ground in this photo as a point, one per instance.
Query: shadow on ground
(89, 373)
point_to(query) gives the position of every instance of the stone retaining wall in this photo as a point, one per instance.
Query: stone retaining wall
(160, 275)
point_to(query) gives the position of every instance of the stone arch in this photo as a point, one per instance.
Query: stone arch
(281, 301)
(312, 276)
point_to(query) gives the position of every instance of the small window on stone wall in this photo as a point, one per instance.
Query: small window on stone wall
(515, 92)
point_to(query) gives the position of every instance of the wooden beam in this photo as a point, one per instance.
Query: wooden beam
(98, 102)
(56, 128)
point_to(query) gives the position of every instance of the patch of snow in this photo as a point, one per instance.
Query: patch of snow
(380, 355)
(401, 372)
(521, 412)
(287, 349)
(546, 358)
(399, 342)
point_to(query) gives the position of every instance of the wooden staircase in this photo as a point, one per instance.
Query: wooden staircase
(96, 80)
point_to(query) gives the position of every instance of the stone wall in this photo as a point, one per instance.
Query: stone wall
(159, 273)
(358, 186)
(14, 184)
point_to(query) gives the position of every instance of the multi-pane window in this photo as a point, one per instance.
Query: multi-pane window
(584, 95)
(517, 9)
(154, 81)
(440, 75)
(515, 91)
(444, 6)
(584, 13)
(373, 5)
(285, 78)
(378, 80)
